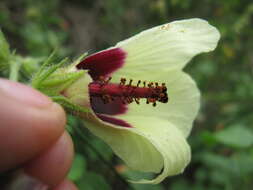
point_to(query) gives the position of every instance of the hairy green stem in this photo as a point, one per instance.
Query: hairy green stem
(14, 70)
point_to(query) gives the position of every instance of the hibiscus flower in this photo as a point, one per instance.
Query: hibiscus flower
(138, 99)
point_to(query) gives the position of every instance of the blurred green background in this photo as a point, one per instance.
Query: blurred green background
(222, 137)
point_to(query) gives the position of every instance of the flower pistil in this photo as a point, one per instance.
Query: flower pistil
(127, 92)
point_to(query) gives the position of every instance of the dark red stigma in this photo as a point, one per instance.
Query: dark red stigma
(128, 93)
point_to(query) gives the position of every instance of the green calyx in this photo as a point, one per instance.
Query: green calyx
(53, 79)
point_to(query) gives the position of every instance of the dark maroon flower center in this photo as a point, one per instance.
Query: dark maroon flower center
(103, 63)
(108, 99)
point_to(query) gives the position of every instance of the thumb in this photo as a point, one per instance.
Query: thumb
(29, 123)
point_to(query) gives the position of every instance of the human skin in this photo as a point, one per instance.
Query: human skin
(33, 137)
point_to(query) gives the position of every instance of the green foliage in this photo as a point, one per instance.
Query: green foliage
(5, 50)
(222, 137)
(35, 25)
(235, 136)
(93, 181)
(78, 168)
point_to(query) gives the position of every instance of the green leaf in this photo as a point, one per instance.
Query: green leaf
(147, 187)
(4, 51)
(139, 175)
(235, 136)
(30, 65)
(180, 184)
(244, 163)
(93, 181)
(219, 177)
(100, 146)
(78, 168)
(4, 45)
(217, 161)
(239, 165)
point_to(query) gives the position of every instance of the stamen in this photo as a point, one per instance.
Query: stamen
(128, 93)
(108, 80)
(122, 81)
(139, 82)
(150, 85)
(137, 100)
(130, 82)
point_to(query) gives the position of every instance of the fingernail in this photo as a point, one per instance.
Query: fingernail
(25, 182)
(23, 93)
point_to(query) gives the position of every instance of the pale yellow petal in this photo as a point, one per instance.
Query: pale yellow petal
(127, 143)
(155, 145)
(169, 46)
(168, 140)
